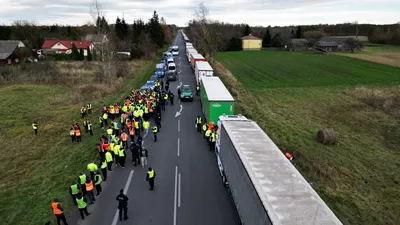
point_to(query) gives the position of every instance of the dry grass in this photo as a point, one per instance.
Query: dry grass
(388, 58)
(384, 54)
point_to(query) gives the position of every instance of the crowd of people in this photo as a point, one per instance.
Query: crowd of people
(124, 128)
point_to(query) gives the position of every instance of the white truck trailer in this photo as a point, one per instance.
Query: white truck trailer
(203, 69)
(265, 186)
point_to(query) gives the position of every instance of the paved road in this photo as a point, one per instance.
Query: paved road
(188, 188)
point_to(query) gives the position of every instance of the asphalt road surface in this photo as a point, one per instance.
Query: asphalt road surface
(188, 187)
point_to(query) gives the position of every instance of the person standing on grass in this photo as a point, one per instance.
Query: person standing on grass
(78, 135)
(82, 180)
(35, 128)
(72, 134)
(58, 211)
(90, 128)
(85, 125)
(101, 120)
(74, 190)
(82, 206)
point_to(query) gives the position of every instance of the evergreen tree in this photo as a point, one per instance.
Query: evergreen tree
(247, 30)
(235, 44)
(156, 31)
(75, 53)
(89, 54)
(81, 54)
(138, 28)
(124, 29)
(266, 41)
(118, 28)
(299, 32)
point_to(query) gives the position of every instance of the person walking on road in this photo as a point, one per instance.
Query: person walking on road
(124, 138)
(109, 160)
(122, 157)
(89, 190)
(198, 123)
(205, 128)
(208, 136)
(171, 97)
(82, 206)
(135, 153)
(97, 182)
(74, 190)
(212, 140)
(151, 175)
(103, 167)
(122, 204)
(155, 131)
(58, 211)
(143, 156)
(146, 125)
(35, 128)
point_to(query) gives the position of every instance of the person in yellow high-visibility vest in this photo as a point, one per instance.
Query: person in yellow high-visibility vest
(150, 177)
(35, 127)
(208, 135)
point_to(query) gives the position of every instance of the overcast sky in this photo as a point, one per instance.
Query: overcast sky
(253, 12)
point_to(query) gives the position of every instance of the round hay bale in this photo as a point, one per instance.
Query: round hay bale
(326, 137)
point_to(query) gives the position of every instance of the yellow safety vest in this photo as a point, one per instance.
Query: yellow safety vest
(151, 174)
(146, 125)
(198, 121)
(208, 132)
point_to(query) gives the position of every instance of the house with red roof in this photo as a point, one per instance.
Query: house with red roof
(251, 42)
(65, 46)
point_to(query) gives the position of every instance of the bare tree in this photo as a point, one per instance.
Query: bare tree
(353, 44)
(207, 32)
(107, 48)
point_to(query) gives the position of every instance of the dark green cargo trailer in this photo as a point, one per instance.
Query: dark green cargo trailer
(215, 99)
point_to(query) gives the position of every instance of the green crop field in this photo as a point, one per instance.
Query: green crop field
(36, 169)
(293, 95)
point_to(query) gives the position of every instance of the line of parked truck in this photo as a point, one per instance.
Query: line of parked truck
(265, 186)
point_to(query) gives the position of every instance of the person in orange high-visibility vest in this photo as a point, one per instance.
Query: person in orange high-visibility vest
(124, 138)
(78, 135)
(289, 156)
(58, 211)
(132, 133)
(89, 190)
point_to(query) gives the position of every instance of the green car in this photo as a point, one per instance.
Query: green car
(186, 93)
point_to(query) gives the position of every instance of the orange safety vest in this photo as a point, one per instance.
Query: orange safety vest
(77, 133)
(89, 186)
(131, 131)
(128, 123)
(288, 155)
(56, 210)
(124, 137)
(150, 109)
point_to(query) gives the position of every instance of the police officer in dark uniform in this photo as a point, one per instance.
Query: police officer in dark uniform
(122, 204)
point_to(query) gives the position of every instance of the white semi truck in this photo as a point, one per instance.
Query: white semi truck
(266, 188)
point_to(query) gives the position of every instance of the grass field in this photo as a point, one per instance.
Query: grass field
(293, 95)
(385, 54)
(35, 169)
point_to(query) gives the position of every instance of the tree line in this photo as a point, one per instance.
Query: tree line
(140, 38)
(227, 36)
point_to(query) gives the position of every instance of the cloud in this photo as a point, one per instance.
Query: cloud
(253, 12)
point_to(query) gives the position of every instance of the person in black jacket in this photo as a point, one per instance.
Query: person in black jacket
(135, 153)
(122, 204)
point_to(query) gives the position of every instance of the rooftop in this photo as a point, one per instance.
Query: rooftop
(215, 89)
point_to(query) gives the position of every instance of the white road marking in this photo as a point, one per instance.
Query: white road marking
(176, 177)
(128, 182)
(178, 146)
(179, 191)
(179, 125)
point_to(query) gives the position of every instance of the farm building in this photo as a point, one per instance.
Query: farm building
(298, 44)
(12, 51)
(251, 42)
(96, 39)
(333, 43)
(65, 46)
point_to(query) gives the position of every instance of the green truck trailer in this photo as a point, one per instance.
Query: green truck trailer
(215, 99)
